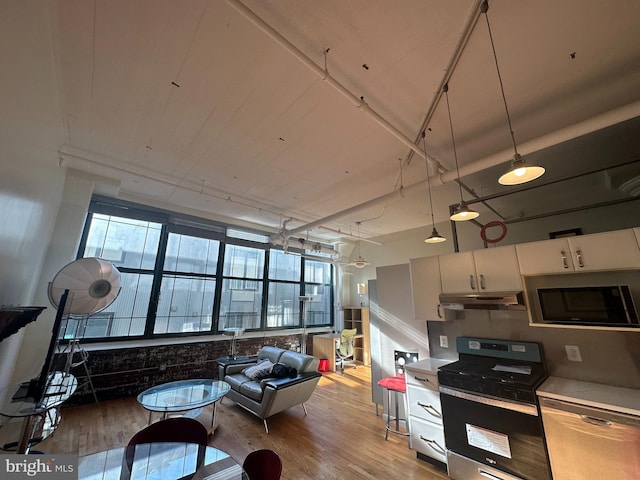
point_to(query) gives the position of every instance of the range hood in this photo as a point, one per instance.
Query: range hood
(483, 301)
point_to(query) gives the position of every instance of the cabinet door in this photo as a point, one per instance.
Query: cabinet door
(458, 273)
(426, 288)
(497, 269)
(605, 251)
(617, 250)
(428, 439)
(547, 256)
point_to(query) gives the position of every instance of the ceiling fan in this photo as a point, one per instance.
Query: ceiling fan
(359, 262)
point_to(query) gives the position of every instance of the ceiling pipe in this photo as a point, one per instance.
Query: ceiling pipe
(579, 129)
(604, 120)
(324, 75)
(582, 128)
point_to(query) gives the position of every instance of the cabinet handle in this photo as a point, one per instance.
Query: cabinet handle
(600, 422)
(564, 259)
(483, 286)
(421, 379)
(472, 282)
(430, 409)
(438, 311)
(433, 444)
(579, 255)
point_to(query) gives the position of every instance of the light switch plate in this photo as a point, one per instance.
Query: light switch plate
(444, 341)
(573, 353)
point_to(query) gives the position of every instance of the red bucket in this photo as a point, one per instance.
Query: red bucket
(323, 366)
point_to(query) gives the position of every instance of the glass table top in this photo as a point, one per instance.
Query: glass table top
(183, 395)
(161, 461)
(59, 387)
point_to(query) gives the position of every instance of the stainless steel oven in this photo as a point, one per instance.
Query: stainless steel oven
(492, 423)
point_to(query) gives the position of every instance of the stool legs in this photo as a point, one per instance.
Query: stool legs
(396, 418)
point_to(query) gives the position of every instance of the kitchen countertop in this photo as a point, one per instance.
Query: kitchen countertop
(427, 365)
(598, 395)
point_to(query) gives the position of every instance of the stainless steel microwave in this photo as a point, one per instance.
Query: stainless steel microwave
(607, 306)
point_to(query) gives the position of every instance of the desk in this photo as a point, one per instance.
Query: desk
(184, 395)
(324, 346)
(60, 386)
(161, 461)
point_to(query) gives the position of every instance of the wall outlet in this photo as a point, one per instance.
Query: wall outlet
(444, 341)
(573, 353)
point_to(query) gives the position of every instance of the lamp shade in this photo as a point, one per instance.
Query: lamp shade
(93, 284)
(435, 237)
(520, 172)
(463, 213)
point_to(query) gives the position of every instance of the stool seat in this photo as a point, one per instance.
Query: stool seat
(397, 385)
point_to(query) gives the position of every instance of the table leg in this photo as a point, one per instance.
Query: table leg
(213, 416)
(25, 435)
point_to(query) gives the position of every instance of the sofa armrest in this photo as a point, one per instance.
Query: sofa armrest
(238, 367)
(280, 383)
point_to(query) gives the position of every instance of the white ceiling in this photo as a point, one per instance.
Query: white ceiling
(190, 104)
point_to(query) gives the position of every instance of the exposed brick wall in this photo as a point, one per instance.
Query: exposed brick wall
(127, 372)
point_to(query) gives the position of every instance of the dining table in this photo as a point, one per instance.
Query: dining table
(160, 461)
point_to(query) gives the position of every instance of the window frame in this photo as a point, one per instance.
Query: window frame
(173, 222)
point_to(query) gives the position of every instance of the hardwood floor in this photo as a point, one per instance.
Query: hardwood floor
(341, 437)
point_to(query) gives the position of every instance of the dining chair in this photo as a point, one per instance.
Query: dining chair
(175, 429)
(263, 465)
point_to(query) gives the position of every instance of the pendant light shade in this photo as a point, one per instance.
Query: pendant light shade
(519, 172)
(462, 211)
(435, 237)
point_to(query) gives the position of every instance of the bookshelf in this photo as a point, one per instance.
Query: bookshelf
(358, 318)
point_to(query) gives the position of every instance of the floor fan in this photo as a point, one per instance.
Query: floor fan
(83, 287)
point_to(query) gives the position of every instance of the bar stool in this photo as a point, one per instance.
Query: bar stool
(397, 385)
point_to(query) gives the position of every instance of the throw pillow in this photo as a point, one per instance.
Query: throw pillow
(280, 370)
(254, 371)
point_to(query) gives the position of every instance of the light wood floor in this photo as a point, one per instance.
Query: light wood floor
(341, 437)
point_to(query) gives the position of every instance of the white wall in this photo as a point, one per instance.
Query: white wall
(61, 250)
(30, 193)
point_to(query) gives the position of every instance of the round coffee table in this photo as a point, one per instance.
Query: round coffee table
(184, 395)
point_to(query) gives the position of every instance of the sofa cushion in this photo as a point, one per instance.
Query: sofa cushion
(241, 384)
(252, 390)
(257, 371)
(299, 361)
(271, 353)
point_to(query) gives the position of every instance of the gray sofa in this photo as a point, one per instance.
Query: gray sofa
(268, 396)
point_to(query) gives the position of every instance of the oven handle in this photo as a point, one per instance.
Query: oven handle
(484, 473)
(492, 401)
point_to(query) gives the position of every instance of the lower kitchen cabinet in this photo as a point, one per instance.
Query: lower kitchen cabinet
(425, 413)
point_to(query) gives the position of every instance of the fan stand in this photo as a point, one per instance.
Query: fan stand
(70, 350)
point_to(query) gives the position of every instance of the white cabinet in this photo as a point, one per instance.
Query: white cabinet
(426, 288)
(485, 270)
(615, 250)
(425, 414)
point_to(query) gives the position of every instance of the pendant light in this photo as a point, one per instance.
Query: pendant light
(519, 172)
(435, 237)
(462, 212)
(359, 262)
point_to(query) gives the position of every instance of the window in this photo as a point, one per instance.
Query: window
(188, 285)
(186, 276)
(241, 300)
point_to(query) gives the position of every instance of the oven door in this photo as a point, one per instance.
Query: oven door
(502, 434)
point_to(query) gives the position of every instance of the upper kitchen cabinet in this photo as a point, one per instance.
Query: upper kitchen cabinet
(617, 250)
(486, 270)
(426, 288)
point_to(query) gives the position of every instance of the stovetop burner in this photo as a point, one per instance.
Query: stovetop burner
(500, 368)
